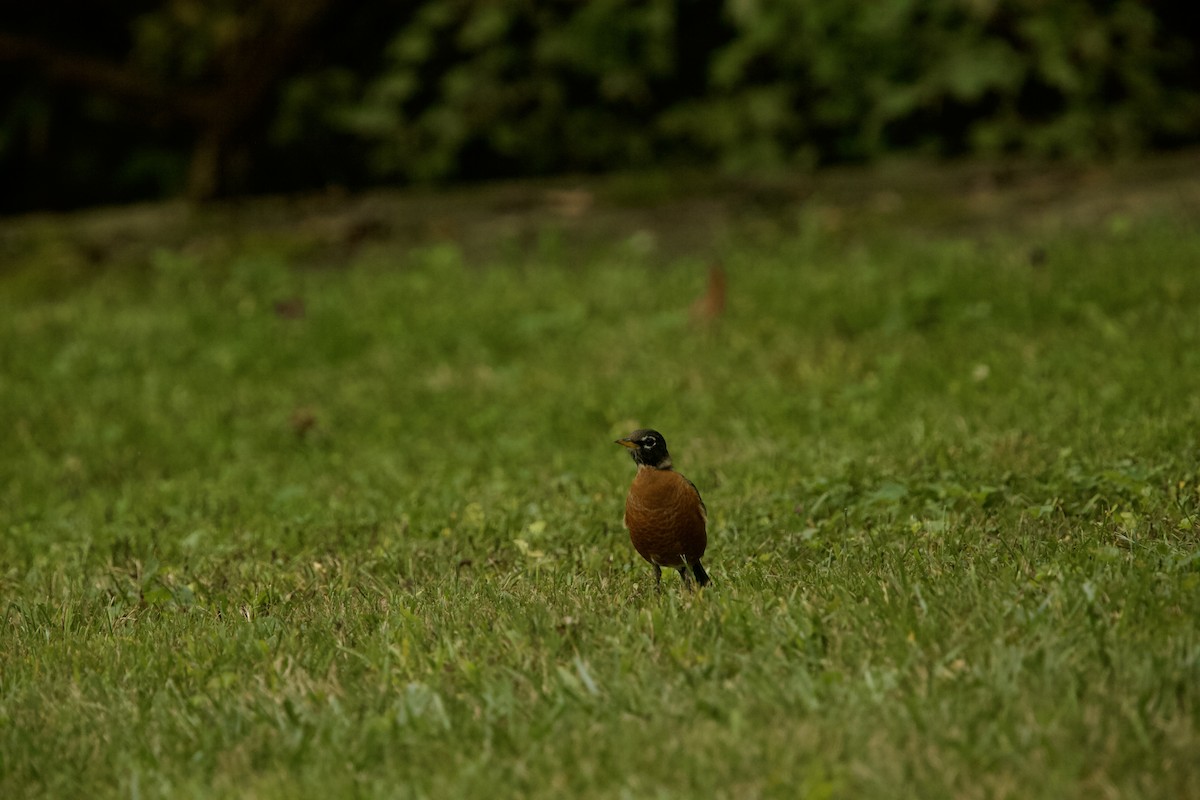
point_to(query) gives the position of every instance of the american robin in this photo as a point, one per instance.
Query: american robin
(664, 513)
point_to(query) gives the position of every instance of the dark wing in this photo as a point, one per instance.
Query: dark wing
(703, 508)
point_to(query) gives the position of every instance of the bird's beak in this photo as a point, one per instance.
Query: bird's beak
(630, 443)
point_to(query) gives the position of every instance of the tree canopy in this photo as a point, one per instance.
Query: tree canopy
(153, 98)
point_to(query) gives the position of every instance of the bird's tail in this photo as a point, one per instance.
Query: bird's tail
(698, 570)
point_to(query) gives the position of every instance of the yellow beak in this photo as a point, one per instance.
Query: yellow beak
(630, 443)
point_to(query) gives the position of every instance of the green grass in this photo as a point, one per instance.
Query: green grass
(375, 550)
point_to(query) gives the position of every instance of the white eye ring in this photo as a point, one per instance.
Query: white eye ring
(649, 442)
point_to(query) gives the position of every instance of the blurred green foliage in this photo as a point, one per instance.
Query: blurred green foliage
(469, 89)
(583, 86)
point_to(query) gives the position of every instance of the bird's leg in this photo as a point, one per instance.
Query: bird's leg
(657, 576)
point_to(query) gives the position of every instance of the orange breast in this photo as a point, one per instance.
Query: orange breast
(665, 517)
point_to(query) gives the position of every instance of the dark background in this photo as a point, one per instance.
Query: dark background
(105, 102)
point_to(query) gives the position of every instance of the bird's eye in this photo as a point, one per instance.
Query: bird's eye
(649, 442)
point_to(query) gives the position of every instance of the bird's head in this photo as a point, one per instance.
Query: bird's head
(648, 448)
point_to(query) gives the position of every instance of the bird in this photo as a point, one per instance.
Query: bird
(666, 517)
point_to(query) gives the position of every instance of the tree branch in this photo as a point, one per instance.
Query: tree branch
(105, 77)
(247, 70)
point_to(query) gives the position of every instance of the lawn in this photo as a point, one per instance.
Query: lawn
(301, 501)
